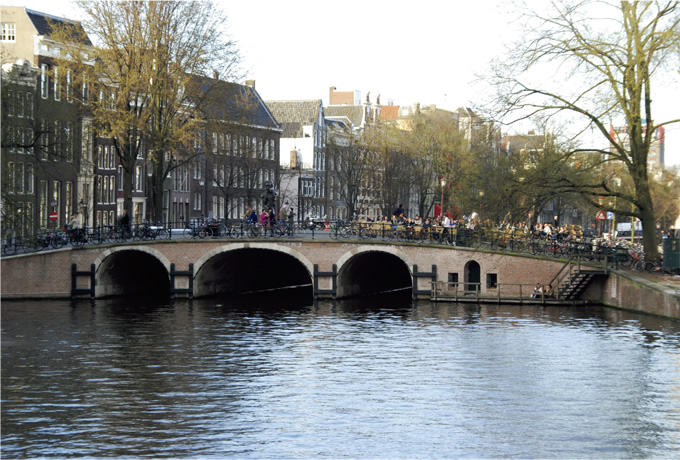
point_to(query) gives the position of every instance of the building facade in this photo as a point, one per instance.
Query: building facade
(303, 180)
(47, 142)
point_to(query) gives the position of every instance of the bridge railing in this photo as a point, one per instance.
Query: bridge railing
(383, 231)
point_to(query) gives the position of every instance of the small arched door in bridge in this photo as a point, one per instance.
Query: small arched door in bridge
(472, 276)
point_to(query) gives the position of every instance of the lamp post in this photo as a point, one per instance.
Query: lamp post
(442, 181)
(481, 195)
(83, 205)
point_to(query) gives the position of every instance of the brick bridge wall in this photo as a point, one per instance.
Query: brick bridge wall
(48, 275)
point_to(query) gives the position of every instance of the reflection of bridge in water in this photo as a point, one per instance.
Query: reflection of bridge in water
(312, 268)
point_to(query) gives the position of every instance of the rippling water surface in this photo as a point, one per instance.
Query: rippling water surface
(336, 379)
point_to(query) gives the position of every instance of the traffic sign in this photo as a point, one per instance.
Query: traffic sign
(53, 216)
(600, 215)
(610, 215)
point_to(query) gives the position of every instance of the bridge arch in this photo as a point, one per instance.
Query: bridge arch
(246, 268)
(367, 270)
(131, 270)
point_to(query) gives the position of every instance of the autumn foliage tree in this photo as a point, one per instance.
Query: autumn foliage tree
(137, 78)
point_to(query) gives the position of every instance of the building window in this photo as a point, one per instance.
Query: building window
(112, 158)
(69, 86)
(68, 134)
(138, 178)
(56, 195)
(68, 203)
(29, 105)
(10, 177)
(86, 89)
(28, 216)
(57, 84)
(57, 141)
(491, 280)
(43, 203)
(44, 81)
(99, 189)
(453, 280)
(9, 32)
(20, 178)
(10, 102)
(29, 179)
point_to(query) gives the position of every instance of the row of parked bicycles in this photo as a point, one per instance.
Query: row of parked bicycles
(621, 253)
(624, 254)
(244, 229)
(57, 239)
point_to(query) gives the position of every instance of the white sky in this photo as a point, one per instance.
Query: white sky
(427, 51)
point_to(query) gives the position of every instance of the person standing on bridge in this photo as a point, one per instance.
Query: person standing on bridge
(272, 221)
(283, 215)
(125, 224)
(253, 216)
(398, 214)
(75, 222)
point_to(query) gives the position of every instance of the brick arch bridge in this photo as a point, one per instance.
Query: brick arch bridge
(317, 268)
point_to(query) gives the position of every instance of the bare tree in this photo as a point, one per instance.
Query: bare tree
(606, 69)
(351, 167)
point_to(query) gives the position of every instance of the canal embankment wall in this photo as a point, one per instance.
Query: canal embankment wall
(621, 289)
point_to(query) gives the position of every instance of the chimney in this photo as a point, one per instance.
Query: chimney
(250, 83)
(216, 75)
(293, 159)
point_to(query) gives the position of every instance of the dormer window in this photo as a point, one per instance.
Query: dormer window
(9, 32)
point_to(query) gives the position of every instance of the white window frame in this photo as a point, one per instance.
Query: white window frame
(57, 86)
(44, 81)
(9, 32)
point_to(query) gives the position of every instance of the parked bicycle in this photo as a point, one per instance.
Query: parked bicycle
(195, 231)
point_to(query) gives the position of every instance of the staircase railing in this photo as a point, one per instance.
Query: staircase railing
(575, 266)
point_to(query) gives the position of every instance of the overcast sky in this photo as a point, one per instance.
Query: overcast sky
(427, 51)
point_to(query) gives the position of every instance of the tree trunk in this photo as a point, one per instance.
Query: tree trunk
(128, 176)
(649, 237)
(157, 180)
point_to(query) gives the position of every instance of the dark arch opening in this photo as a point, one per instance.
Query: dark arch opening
(472, 275)
(374, 272)
(126, 273)
(253, 272)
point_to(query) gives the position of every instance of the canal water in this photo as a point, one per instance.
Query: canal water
(373, 379)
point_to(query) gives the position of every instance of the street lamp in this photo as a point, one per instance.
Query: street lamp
(83, 205)
(442, 181)
(481, 195)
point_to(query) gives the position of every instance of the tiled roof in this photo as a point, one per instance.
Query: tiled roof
(43, 23)
(293, 115)
(389, 112)
(234, 103)
(355, 113)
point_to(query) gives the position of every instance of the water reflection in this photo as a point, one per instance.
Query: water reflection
(372, 377)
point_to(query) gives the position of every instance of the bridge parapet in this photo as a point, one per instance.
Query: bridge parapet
(343, 267)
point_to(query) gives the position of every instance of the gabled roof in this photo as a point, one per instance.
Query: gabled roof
(231, 102)
(293, 115)
(44, 23)
(354, 113)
